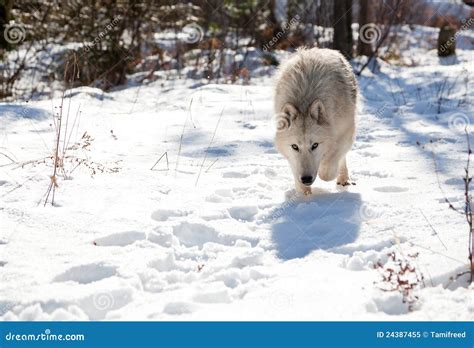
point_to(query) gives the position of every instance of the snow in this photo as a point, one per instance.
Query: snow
(219, 233)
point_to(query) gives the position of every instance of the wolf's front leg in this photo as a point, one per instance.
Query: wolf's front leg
(328, 169)
(343, 177)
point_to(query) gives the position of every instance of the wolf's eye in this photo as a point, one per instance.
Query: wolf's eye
(314, 146)
(295, 147)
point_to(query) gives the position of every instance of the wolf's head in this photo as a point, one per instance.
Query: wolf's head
(301, 139)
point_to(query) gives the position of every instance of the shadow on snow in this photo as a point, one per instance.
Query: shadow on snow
(323, 221)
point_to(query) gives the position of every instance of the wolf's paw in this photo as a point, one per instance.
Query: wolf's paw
(303, 190)
(345, 182)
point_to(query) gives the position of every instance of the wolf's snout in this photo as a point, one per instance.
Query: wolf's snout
(307, 180)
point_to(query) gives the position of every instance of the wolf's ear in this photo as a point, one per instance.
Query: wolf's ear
(318, 112)
(285, 118)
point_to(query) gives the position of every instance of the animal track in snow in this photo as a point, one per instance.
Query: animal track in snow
(358, 145)
(167, 263)
(270, 173)
(367, 247)
(235, 175)
(217, 199)
(246, 213)
(454, 181)
(217, 293)
(165, 214)
(178, 308)
(390, 303)
(163, 238)
(220, 196)
(224, 193)
(368, 154)
(195, 234)
(372, 173)
(121, 238)
(393, 189)
(86, 274)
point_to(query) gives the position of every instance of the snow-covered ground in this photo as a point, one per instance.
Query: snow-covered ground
(219, 233)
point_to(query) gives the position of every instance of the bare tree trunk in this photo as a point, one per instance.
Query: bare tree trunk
(309, 21)
(5, 17)
(364, 48)
(274, 19)
(447, 41)
(348, 15)
(342, 39)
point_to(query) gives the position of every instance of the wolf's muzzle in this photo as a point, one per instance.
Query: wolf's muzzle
(307, 180)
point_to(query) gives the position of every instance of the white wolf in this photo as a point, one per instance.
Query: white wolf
(315, 104)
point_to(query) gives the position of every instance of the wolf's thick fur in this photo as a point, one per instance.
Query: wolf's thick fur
(315, 104)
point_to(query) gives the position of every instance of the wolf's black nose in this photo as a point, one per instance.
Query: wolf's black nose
(307, 180)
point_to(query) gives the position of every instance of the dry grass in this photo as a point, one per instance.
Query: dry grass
(400, 274)
(64, 158)
(467, 209)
